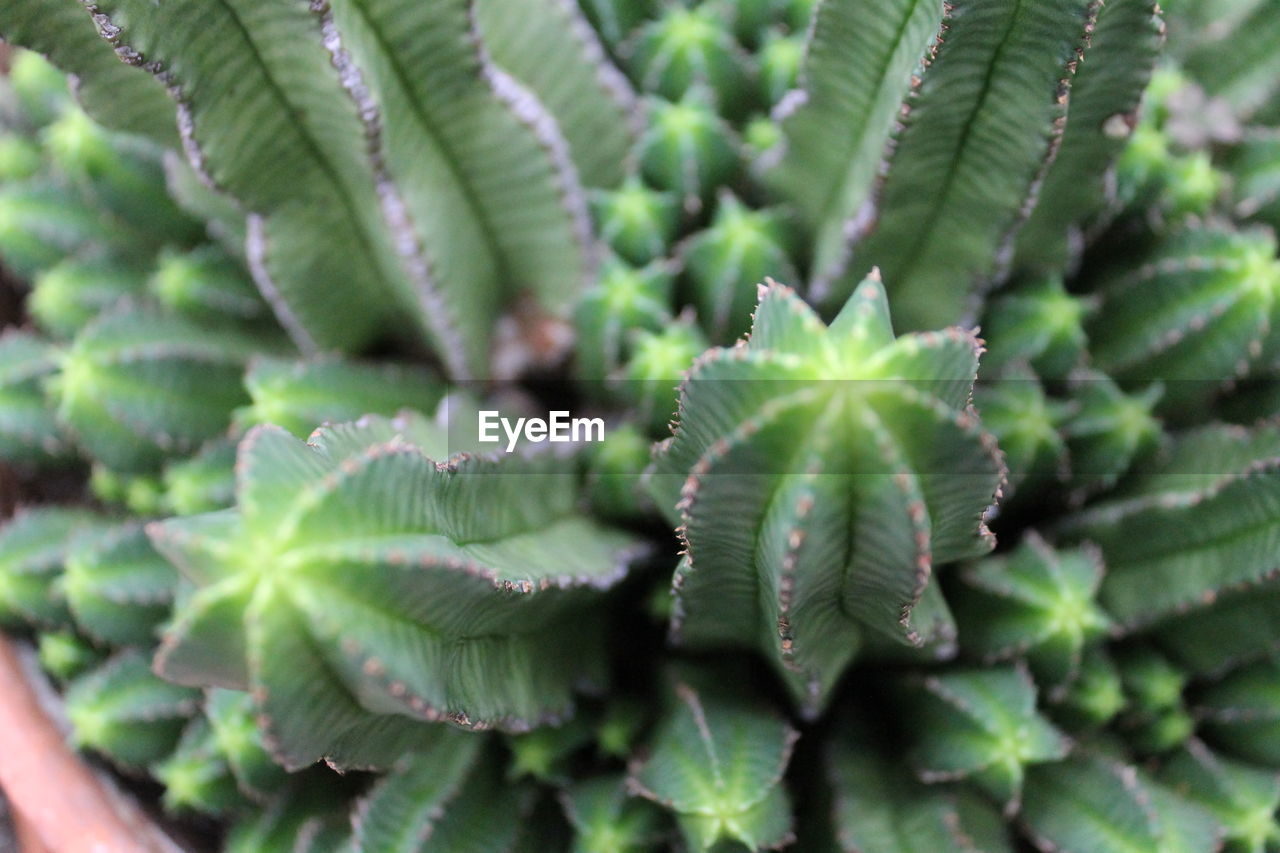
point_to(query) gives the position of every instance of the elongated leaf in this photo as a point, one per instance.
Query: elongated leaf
(1236, 58)
(360, 587)
(1101, 114)
(549, 46)
(858, 67)
(994, 93)
(818, 474)
(116, 95)
(1238, 628)
(718, 766)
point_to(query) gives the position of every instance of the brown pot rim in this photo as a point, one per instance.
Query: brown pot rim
(62, 803)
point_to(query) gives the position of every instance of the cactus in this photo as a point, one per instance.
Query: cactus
(301, 395)
(724, 263)
(718, 768)
(122, 710)
(123, 385)
(262, 607)
(265, 263)
(117, 587)
(28, 430)
(1037, 603)
(982, 725)
(757, 581)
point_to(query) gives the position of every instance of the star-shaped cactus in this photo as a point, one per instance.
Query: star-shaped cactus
(371, 580)
(818, 474)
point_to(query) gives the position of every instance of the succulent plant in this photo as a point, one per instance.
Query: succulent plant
(369, 604)
(757, 444)
(266, 263)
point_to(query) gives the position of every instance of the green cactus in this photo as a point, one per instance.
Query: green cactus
(69, 294)
(982, 725)
(194, 776)
(1037, 603)
(28, 431)
(123, 711)
(1092, 802)
(690, 47)
(1242, 798)
(119, 590)
(687, 150)
(203, 483)
(65, 655)
(301, 395)
(123, 385)
(637, 222)
(624, 303)
(1039, 323)
(33, 549)
(717, 767)
(607, 819)
(268, 592)
(205, 282)
(766, 580)
(1241, 713)
(725, 263)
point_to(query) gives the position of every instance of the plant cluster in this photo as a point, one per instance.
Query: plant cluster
(965, 536)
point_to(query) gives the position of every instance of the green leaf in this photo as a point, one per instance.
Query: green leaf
(360, 586)
(1036, 602)
(817, 475)
(309, 815)
(1102, 111)
(1236, 58)
(42, 222)
(114, 94)
(717, 765)
(1238, 628)
(123, 711)
(1091, 804)
(119, 589)
(549, 46)
(994, 92)
(981, 725)
(125, 386)
(302, 395)
(858, 66)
